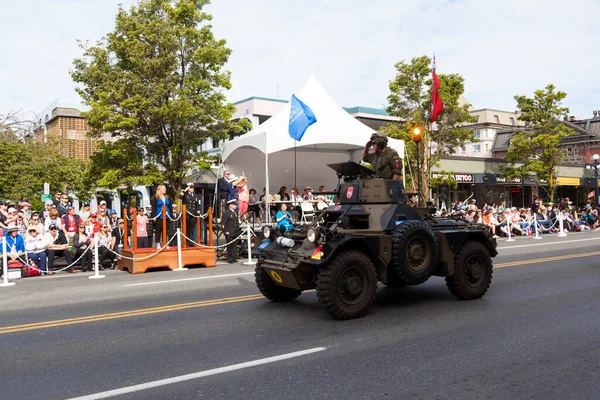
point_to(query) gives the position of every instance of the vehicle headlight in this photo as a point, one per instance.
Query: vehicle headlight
(267, 232)
(312, 235)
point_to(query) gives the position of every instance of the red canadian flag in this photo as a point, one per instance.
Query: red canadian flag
(437, 106)
(591, 194)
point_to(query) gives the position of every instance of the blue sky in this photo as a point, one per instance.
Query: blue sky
(502, 48)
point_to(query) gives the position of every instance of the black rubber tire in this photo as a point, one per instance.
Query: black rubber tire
(350, 271)
(270, 289)
(472, 272)
(412, 240)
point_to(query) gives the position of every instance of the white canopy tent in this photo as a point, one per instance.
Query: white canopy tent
(335, 137)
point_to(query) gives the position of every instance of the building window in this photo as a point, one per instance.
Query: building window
(463, 149)
(485, 133)
(569, 151)
(215, 143)
(497, 119)
(476, 148)
(477, 118)
(487, 147)
(477, 134)
(512, 121)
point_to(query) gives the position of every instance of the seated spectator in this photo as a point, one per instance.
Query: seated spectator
(53, 219)
(105, 256)
(284, 219)
(37, 224)
(11, 218)
(15, 245)
(307, 195)
(283, 195)
(84, 213)
(57, 245)
(70, 222)
(82, 245)
(36, 250)
(114, 219)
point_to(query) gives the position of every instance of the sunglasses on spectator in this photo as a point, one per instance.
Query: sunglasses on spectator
(82, 227)
(52, 228)
(105, 227)
(35, 219)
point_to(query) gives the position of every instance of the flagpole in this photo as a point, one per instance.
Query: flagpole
(295, 166)
(267, 196)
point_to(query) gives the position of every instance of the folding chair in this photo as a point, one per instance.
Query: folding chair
(308, 212)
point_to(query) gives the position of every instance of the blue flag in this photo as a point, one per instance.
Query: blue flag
(301, 117)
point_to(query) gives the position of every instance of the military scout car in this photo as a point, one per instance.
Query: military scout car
(372, 234)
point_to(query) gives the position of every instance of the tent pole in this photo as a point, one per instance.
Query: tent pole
(268, 207)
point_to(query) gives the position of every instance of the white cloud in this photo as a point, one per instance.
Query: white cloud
(502, 48)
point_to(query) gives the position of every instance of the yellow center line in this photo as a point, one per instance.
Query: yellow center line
(215, 302)
(547, 259)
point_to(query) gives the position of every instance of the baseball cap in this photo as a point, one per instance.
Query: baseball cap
(92, 215)
(86, 204)
(120, 221)
(31, 228)
(103, 203)
(25, 204)
(12, 210)
(112, 211)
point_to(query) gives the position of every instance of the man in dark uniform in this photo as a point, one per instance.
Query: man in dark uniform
(385, 160)
(230, 224)
(192, 205)
(222, 190)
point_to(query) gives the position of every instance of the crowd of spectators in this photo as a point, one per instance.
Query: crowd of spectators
(38, 238)
(497, 217)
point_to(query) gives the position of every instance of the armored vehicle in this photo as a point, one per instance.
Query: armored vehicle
(372, 233)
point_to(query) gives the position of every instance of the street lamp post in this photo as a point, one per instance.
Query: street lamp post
(595, 166)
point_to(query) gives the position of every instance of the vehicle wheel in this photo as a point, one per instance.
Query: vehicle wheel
(270, 289)
(472, 272)
(346, 287)
(414, 253)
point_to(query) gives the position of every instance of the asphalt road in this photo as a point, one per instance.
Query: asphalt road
(205, 333)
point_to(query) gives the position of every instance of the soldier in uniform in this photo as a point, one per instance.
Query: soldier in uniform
(192, 205)
(230, 224)
(385, 160)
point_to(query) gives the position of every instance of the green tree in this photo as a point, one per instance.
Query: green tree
(158, 81)
(410, 100)
(536, 150)
(31, 164)
(119, 164)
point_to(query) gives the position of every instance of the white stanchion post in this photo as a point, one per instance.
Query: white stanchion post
(5, 281)
(562, 232)
(249, 235)
(97, 266)
(179, 260)
(510, 239)
(536, 227)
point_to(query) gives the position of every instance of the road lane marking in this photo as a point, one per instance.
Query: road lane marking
(545, 244)
(207, 303)
(547, 259)
(190, 279)
(126, 314)
(197, 375)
